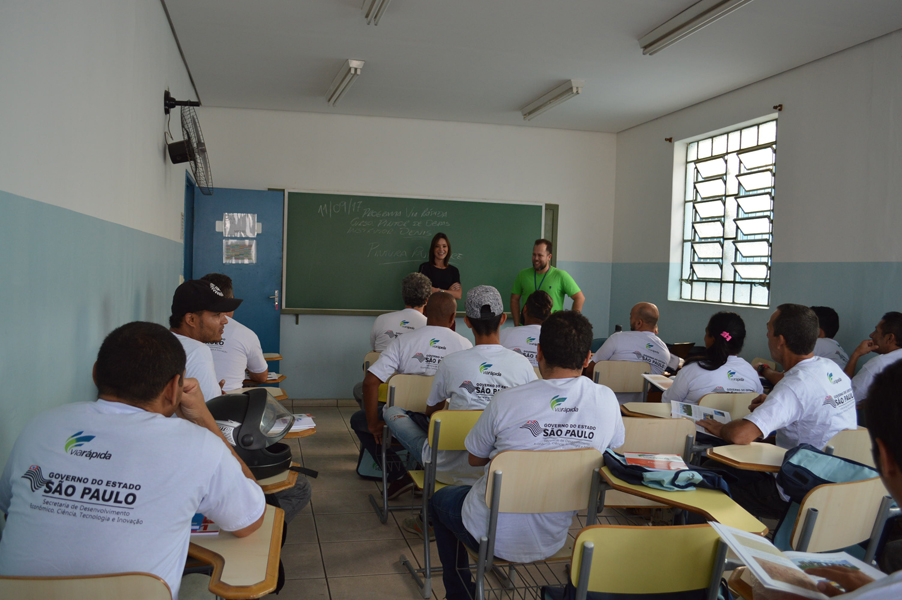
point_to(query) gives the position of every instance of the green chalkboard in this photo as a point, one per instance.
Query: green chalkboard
(351, 252)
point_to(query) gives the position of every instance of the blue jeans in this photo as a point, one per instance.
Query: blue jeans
(446, 506)
(408, 433)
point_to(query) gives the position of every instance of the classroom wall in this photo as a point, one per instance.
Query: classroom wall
(90, 205)
(254, 149)
(837, 205)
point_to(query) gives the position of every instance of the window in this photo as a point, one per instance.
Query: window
(728, 214)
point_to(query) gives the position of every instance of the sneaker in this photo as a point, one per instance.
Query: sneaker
(415, 525)
(400, 486)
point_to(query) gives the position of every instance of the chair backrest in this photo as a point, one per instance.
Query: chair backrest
(538, 373)
(621, 375)
(542, 481)
(735, 404)
(136, 586)
(647, 560)
(659, 436)
(681, 349)
(846, 514)
(763, 361)
(370, 359)
(455, 425)
(854, 444)
(409, 391)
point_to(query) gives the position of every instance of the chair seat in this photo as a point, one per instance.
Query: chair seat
(419, 480)
(563, 554)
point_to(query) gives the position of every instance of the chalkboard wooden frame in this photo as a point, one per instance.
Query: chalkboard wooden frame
(336, 227)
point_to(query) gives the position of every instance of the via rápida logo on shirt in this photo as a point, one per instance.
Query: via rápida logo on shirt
(731, 375)
(556, 405)
(434, 343)
(484, 369)
(531, 340)
(77, 440)
(532, 427)
(35, 478)
(832, 379)
(405, 323)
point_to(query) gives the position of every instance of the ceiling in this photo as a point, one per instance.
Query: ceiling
(480, 61)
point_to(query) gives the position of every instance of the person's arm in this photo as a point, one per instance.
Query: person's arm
(193, 408)
(739, 431)
(258, 377)
(578, 300)
(257, 367)
(436, 408)
(477, 461)
(455, 290)
(863, 348)
(371, 385)
(246, 531)
(771, 375)
(515, 309)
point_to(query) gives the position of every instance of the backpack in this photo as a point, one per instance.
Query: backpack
(672, 481)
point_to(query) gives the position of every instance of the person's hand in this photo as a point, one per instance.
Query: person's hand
(222, 385)
(711, 426)
(376, 430)
(757, 402)
(865, 347)
(192, 406)
(455, 287)
(849, 579)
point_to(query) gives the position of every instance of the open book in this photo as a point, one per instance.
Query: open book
(781, 571)
(697, 413)
(201, 525)
(657, 462)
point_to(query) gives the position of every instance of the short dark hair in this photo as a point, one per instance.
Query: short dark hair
(223, 282)
(485, 326)
(566, 339)
(883, 411)
(798, 326)
(439, 236)
(137, 360)
(828, 320)
(892, 323)
(544, 241)
(539, 305)
(416, 289)
(728, 330)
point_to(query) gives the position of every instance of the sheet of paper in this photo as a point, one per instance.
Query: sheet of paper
(303, 422)
(697, 413)
(657, 462)
(272, 375)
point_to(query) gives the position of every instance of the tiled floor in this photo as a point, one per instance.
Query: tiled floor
(337, 548)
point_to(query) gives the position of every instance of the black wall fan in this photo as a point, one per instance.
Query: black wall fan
(192, 148)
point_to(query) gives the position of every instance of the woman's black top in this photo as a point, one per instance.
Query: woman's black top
(442, 279)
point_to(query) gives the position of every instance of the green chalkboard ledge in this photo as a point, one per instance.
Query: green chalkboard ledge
(338, 312)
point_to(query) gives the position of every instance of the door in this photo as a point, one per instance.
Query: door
(254, 283)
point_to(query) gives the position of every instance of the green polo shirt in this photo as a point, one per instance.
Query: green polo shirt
(555, 282)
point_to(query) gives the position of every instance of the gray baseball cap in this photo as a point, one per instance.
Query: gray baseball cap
(484, 302)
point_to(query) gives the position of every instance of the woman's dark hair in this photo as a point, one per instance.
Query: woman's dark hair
(728, 331)
(439, 236)
(538, 306)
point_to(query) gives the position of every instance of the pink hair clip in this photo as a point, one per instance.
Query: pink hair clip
(726, 336)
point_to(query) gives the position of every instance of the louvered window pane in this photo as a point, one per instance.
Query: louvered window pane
(709, 210)
(757, 158)
(711, 168)
(711, 188)
(709, 229)
(756, 203)
(706, 270)
(753, 249)
(750, 270)
(758, 180)
(753, 226)
(708, 249)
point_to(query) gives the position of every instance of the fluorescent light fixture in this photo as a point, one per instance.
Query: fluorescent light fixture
(373, 10)
(553, 98)
(342, 82)
(699, 15)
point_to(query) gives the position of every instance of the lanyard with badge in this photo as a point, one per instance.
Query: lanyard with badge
(539, 286)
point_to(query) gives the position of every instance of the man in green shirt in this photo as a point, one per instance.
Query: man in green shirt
(542, 276)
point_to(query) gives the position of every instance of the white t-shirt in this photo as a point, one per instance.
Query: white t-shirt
(239, 349)
(200, 366)
(861, 383)
(391, 325)
(418, 352)
(888, 588)
(736, 376)
(469, 379)
(523, 340)
(104, 487)
(830, 348)
(547, 414)
(812, 403)
(635, 346)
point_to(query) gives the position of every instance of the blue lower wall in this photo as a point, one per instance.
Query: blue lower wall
(860, 292)
(67, 280)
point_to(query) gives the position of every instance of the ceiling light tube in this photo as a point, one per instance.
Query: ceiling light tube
(373, 10)
(342, 82)
(699, 15)
(559, 94)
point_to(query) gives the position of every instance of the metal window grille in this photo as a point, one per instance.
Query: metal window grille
(728, 217)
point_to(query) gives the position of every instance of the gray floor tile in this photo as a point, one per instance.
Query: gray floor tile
(344, 402)
(379, 557)
(196, 587)
(378, 587)
(345, 462)
(303, 589)
(329, 444)
(330, 502)
(302, 529)
(352, 527)
(338, 480)
(302, 561)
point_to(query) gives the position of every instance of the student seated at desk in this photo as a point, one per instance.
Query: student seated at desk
(886, 341)
(416, 353)
(525, 339)
(110, 486)
(884, 412)
(719, 370)
(809, 405)
(513, 421)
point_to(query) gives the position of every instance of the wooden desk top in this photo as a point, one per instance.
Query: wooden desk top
(245, 567)
(276, 393)
(659, 381)
(278, 379)
(646, 410)
(753, 457)
(711, 504)
(277, 483)
(271, 356)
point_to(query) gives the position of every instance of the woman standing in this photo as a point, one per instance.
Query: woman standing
(444, 277)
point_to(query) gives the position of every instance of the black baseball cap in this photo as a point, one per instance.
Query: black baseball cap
(196, 295)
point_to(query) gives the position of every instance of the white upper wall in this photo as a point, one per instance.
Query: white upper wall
(82, 117)
(839, 151)
(256, 149)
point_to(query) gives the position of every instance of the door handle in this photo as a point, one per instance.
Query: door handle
(276, 298)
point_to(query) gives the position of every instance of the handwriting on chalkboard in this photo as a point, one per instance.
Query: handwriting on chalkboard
(418, 254)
